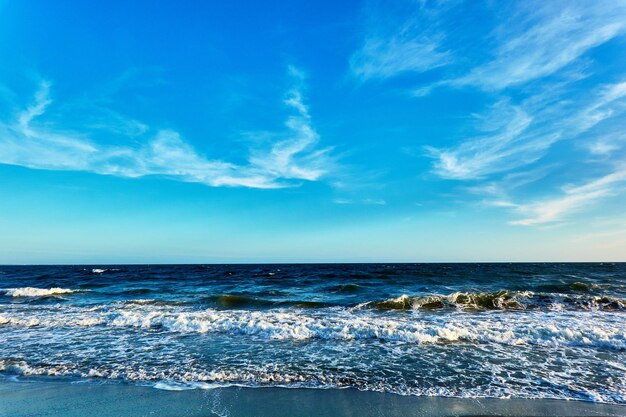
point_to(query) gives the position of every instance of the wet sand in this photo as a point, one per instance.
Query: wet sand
(52, 397)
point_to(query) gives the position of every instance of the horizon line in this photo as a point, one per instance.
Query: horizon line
(318, 263)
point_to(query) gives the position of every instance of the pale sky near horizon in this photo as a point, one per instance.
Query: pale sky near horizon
(292, 131)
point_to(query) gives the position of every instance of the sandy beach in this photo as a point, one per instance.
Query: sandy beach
(64, 398)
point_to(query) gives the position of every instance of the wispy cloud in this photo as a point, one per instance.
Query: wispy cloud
(573, 199)
(536, 65)
(606, 145)
(401, 39)
(291, 157)
(364, 201)
(543, 38)
(517, 135)
(479, 158)
(488, 153)
(384, 58)
(532, 40)
(497, 191)
(601, 109)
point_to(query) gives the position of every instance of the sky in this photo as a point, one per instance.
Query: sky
(295, 131)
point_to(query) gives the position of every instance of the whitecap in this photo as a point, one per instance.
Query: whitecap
(36, 292)
(173, 386)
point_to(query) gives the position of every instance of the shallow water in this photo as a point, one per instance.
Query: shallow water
(49, 397)
(463, 330)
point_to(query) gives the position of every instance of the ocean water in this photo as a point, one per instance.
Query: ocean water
(552, 331)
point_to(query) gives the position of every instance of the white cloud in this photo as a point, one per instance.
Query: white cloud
(535, 40)
(364, 201)
(495, 151)
(607, 145)
(374, 201)
(288, 158)
(41, 101)
(518, 135)
(538, 55)
(599, 109)
(498, 190)
(385, 58)
(25, 142)
(543, 39)
(401, 39)
(573, 199)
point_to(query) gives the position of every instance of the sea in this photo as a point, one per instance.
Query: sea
(491, 330)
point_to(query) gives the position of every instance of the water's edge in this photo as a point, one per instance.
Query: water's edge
(70, 398)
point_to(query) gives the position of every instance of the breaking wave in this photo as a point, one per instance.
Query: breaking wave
(500, 300)
(543, 328)
(176, 379)
(36, 292)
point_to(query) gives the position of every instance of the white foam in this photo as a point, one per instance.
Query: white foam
(18, 321)
(549, 328)
(267, 376)
(16, 368)
(172, 386)
(36, 292)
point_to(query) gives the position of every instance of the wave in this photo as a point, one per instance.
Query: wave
(149, 301)
(569, 287)
(236, 301)
(346, 288)
(467, 301)
(177, 379)
(36, 292)
(551, 328)
(131, 291)
(100, 271)
(500, 300)
(542, 330)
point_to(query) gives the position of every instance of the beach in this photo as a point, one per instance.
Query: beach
(61, 398)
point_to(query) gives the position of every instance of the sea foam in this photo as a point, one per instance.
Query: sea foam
(36, 292)
(548, 328)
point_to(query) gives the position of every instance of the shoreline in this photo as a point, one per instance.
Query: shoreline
(32, 396)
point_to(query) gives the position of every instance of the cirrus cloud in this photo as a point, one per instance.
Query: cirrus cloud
(292, 157)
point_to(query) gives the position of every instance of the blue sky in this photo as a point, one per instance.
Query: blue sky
(312, 131)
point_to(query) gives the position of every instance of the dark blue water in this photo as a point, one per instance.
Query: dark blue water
(465, 330)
